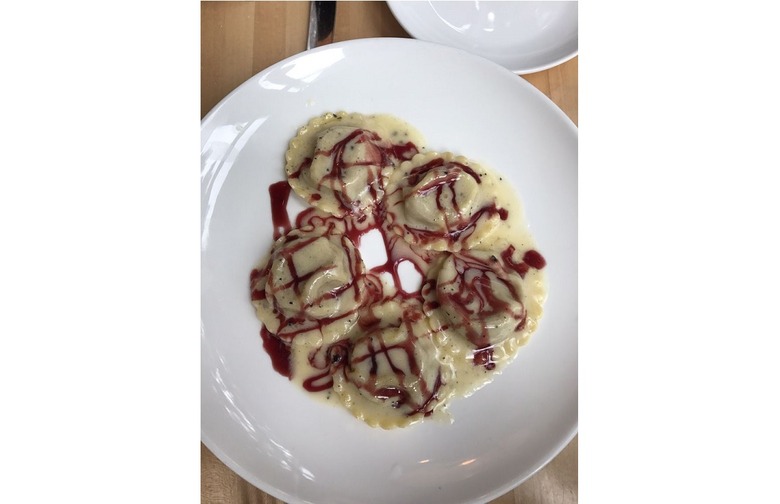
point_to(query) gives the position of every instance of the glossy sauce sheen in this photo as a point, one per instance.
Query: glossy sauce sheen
(278, 351)
(291, 304)
(446, 183)
(280, 194)
(383, 303)
(483, 356)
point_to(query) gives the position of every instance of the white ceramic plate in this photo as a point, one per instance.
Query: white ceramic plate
(524, 37)
(303, 451)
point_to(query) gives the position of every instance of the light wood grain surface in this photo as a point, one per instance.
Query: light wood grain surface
(239, 39)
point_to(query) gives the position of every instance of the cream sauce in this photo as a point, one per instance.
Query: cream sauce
(340, 162)
(391, 357)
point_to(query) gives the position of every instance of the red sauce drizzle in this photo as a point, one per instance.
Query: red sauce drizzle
(484, 357)
(280, 194)
(531, 259)
(374, 348)
(278, 351)
(474, 298)
(534, 259)
(336, 357)
(443, 187)
(378, 153)
(476, 291)
(397, 252)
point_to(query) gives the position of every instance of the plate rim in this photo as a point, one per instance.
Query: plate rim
(222, 455)
(393, 6)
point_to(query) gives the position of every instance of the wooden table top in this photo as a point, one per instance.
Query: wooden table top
(239, 39)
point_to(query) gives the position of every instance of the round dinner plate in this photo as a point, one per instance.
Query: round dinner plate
(301, 450)
(524, 37)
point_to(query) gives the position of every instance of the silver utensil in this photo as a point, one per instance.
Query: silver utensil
(322, 16)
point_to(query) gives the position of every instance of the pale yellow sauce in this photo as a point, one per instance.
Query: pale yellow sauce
(320, 135)
(441, 349)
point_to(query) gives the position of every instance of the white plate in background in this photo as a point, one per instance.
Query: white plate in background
(270, 431)
(524, 37)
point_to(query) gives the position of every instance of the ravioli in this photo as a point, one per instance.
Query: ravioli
(340, 162)
(443, 202)
(394, 353)
(311, 287)
(393, 376)
(483, 305)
